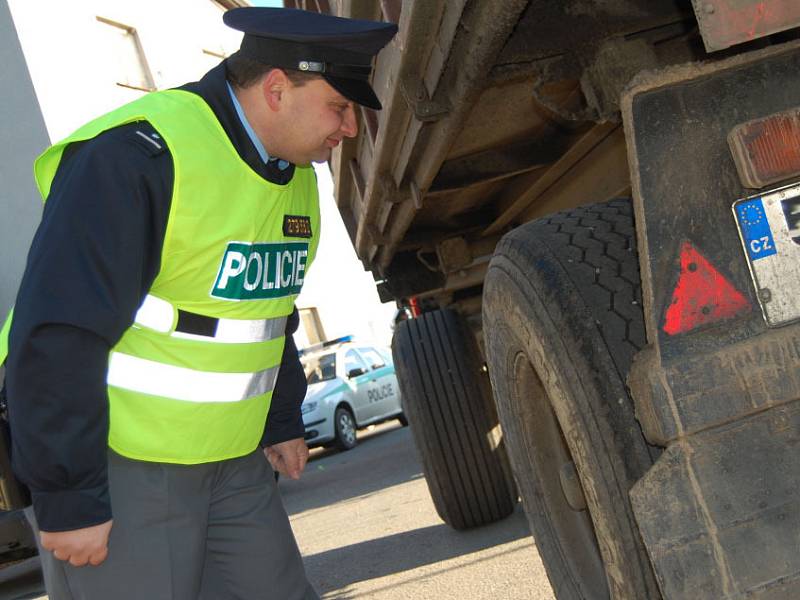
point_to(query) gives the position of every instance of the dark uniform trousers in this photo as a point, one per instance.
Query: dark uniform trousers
(215, 531)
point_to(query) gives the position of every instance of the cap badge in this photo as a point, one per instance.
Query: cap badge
(306, 65)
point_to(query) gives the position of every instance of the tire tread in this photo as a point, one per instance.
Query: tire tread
(564, 293)
(450, 412)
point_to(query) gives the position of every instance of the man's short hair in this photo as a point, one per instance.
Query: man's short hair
(243, 72)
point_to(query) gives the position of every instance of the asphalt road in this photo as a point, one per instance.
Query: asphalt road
(367, 528)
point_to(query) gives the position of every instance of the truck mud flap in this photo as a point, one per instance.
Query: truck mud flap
(717, 386)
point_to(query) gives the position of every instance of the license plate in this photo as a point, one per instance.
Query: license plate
(769, 226)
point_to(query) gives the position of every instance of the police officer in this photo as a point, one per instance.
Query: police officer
(151, 364)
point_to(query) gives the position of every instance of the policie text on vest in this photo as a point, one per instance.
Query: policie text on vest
(256, 271)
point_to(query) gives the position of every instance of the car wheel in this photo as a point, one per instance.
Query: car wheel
(562, 321)
(345, 426)
(448, 401)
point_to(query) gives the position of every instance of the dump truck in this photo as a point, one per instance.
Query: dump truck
(591, 209)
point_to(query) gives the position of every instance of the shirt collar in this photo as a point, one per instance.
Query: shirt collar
(262, 152)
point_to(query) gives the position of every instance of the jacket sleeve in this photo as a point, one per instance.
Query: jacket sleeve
(92, 260)
(285, 421)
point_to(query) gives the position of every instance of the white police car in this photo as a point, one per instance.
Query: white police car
(350, 386)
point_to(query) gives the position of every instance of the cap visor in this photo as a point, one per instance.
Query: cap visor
(359, 92)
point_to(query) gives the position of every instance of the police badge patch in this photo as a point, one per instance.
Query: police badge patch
(296, 226)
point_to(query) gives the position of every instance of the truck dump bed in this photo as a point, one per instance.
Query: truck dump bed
(494, 113)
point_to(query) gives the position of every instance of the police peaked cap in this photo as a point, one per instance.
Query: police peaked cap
(340, 50)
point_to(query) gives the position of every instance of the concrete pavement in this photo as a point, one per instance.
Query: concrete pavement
(367, 528)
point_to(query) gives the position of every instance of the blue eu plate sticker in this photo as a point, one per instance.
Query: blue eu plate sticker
(755, 229)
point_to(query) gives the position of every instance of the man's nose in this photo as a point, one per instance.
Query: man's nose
(349, 126)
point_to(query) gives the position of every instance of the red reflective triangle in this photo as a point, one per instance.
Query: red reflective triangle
(702, 295)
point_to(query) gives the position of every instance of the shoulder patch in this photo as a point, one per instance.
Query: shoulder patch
(146, 138)
(297, 226)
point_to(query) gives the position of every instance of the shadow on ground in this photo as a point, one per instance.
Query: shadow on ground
(409, 550)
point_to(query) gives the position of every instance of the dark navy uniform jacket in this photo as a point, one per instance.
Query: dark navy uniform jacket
(92, 261)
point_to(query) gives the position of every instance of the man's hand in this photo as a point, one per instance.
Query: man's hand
(80, 546)
(288, 458)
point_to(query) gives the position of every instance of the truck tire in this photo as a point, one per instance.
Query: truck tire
(448, 403)
(562, 320)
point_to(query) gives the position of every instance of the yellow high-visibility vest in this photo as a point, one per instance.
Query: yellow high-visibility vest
(236, 252)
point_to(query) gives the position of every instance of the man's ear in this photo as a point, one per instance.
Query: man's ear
(273, 86)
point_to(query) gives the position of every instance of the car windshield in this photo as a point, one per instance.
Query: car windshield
(320, 368)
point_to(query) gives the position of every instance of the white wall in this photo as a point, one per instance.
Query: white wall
(62, 42)
(337, 284)
(23, 137)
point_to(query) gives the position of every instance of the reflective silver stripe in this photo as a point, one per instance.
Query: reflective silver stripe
(159, 314)
(149, 139)
(179, 383)
(155, 313)
(241, 331)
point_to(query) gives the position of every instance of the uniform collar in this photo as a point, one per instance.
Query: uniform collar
(262, 151)
(212, 88)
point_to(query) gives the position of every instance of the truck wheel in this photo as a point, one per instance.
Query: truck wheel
(448, 403)
(562, 319)
(345, 427)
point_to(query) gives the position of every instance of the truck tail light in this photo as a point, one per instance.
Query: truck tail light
(767, 150)
(413, 304)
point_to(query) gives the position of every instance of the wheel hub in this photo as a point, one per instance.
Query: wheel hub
(346, 426)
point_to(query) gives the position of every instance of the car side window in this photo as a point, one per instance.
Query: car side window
(353, 361)
(320, 368)
(373, 357)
